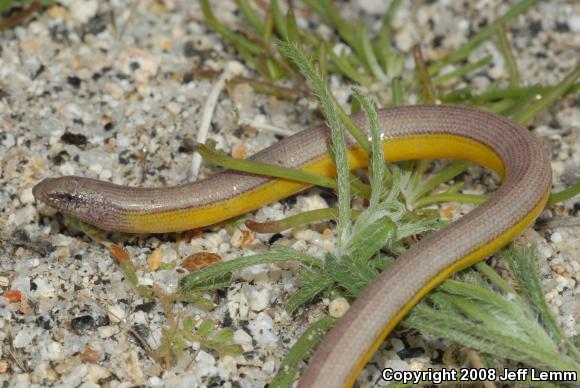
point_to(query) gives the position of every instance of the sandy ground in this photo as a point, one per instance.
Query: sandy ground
(105, 90)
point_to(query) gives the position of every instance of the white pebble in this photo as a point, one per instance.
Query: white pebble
(545, 250)
(416, 364)
(205, 362)
(574, 23)
(227, 365)
(67, 169)
(213, 240)
(374, 7)
(23, 338)
(116, 313)
(269, 367)
(89, 384)
(243, 307)
(140, 317)
(105, 175)
(114, 90)
(338, 307)
(84, 10)
(9, 141)
(224, 248)
(556, 237)
(235, 68)
(397, 365)
(398, 345)
(258, 297)
(123, 141)
(237, 238)
(263, 332)
(173, 107)
(107, 331)
(96, 373)
(44, 288)
(497, 72)
(558, 168)
(312, 202)
(55, 351)
(4, 282)
(26, 196)
(244, 340)
(96, 168)
(307, 235)
(404, 40)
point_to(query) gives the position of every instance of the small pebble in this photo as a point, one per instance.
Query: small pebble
(263, 331)
(4, 281)
(107, 331)
(205, 363)
(83, 10)
(244, 340)
(398, 345)
(95, 373)
(82, 324)
(26, 196)
(154, 259)
(96, 168)
(55, 351)
(105, 175)
(338, 307)
(574, 23)
(116, 313)
(174, 107)
(258, 297)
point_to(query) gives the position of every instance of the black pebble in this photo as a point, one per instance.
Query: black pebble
(102, 320)
(39, 71)
(82, 324)
(187, 146)
(329, 196)
(125, 156)
(141, 329)
(290, 201)
(410, 353)
(227, 321)
(188, 49)
(44, 322)
(187, 78)
(60, 158)
(74, 139)
(274, 238)
(535, 27)
(438, 40)
(74, 81)
(145, 307)
(562, 27)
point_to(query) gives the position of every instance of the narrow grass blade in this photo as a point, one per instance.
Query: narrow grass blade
(481, 36)
(307, 341)
(205, 278)
(548, 99)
